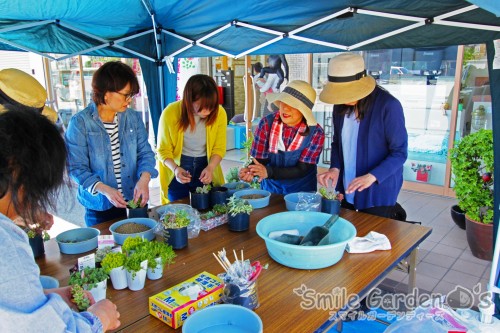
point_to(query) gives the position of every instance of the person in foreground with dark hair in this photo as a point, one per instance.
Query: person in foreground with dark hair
(287, 143)
(370, 141)
(192, 140)
(32, 164)
(109, 154)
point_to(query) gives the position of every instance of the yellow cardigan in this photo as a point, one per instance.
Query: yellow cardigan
(171, 138)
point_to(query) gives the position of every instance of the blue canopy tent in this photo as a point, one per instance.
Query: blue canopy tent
(157, 32)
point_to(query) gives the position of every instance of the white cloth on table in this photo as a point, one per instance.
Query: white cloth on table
(371, 242)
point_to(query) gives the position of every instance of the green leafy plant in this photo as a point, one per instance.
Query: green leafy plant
(232, 176)
(247, 146)
(177, 220)
(330, 195)
(217, 210)
(88, 278)
(204, 189)
(79, 297)
(133, 262)
(161, 250)
(237, 205)
(133, 243)
(134, 204)
(113, 260)
(472, 166)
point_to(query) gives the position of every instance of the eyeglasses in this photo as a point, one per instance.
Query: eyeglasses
(127, 96)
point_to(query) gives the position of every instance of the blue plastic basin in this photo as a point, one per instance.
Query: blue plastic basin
(305, 257)
(256, 203)
(235, 187)
(148, 234)
(309, 201)
(227, 318)
(82, 240)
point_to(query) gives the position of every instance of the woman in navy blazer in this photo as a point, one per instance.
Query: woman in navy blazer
(370, 141)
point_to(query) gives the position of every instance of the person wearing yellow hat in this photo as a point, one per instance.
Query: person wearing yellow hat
(287, 143)
(20, 89)
(370, 141)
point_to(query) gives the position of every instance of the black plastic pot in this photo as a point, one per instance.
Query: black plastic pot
(137, 212)
(200, 201)
(177, 238)
(330, 206)
(239, 222)
(458, 216)
(218, 195)
(37, 246)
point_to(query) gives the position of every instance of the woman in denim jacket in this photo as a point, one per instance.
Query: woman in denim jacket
(109, 155)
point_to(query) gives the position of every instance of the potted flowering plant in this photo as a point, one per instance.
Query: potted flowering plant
(423, 171)
(239, 214)
(37, 232)
(175, 228)
(472, 165)
(134, 209)
(330, 201)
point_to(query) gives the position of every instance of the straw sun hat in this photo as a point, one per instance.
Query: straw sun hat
(299, 95)
(19, 88)
(347, 80)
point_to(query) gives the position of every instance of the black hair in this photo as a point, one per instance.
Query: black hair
(256, 68)
(32, 161)
(113, 76)
(362, 106)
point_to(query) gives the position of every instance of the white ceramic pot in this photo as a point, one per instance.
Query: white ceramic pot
(118, 277)
(99, 292)
(136, 281)
(157, 272)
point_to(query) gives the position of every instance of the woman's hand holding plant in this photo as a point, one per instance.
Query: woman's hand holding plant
(65, 293)
(207, 175)
(331, 175)
(257, 170)
(141, 190)
(114, 196)
(182, 175)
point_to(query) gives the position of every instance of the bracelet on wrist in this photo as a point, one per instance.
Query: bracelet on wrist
(175, 168)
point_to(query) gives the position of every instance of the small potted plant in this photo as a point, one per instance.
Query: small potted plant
(79, 297)
(330, 201)
(37, 233)
(218, 195)
(159, 254)
(175, 229)
(200, 197)
(214, 217)
(91, 279)
(134, 209)
(136, 266)
(472, 164)
(113, 265)
(131, 244)
(239, 214)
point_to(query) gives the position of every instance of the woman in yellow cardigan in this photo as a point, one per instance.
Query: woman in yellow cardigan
(192, 140)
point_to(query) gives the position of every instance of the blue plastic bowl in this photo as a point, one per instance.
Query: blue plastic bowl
(292, 200)
(148, 234)
(256, 203)
(82, 240)
(232, 187)
(223, 318)
(305, 257)
(49, 282)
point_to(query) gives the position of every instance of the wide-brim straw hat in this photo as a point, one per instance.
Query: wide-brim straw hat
(347, 80)
(20, 88)
(299, 95)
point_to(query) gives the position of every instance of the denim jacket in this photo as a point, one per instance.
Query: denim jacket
(89, 155)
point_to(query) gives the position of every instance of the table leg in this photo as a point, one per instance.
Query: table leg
(412, 270)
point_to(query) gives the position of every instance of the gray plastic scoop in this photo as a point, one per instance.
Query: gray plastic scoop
(317, 233)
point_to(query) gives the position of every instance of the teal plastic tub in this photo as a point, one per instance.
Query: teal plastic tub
(76, 241)
(226, 318)
(148, 234)
(305, 257)
(256, 203)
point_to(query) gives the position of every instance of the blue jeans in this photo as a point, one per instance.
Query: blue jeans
(195, 166)
(93, 217)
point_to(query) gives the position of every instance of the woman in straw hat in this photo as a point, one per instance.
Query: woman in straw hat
(287, 144)
(370, 142)
(109, 154)
(32, 167)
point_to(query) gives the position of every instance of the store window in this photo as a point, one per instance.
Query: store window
(71, 81)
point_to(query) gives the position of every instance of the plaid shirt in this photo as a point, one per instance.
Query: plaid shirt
(260, 146)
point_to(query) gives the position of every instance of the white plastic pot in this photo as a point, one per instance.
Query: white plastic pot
(157, 272)
(136, 281)
(118, 277)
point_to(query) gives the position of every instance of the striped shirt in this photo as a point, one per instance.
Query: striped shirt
(112, 130)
